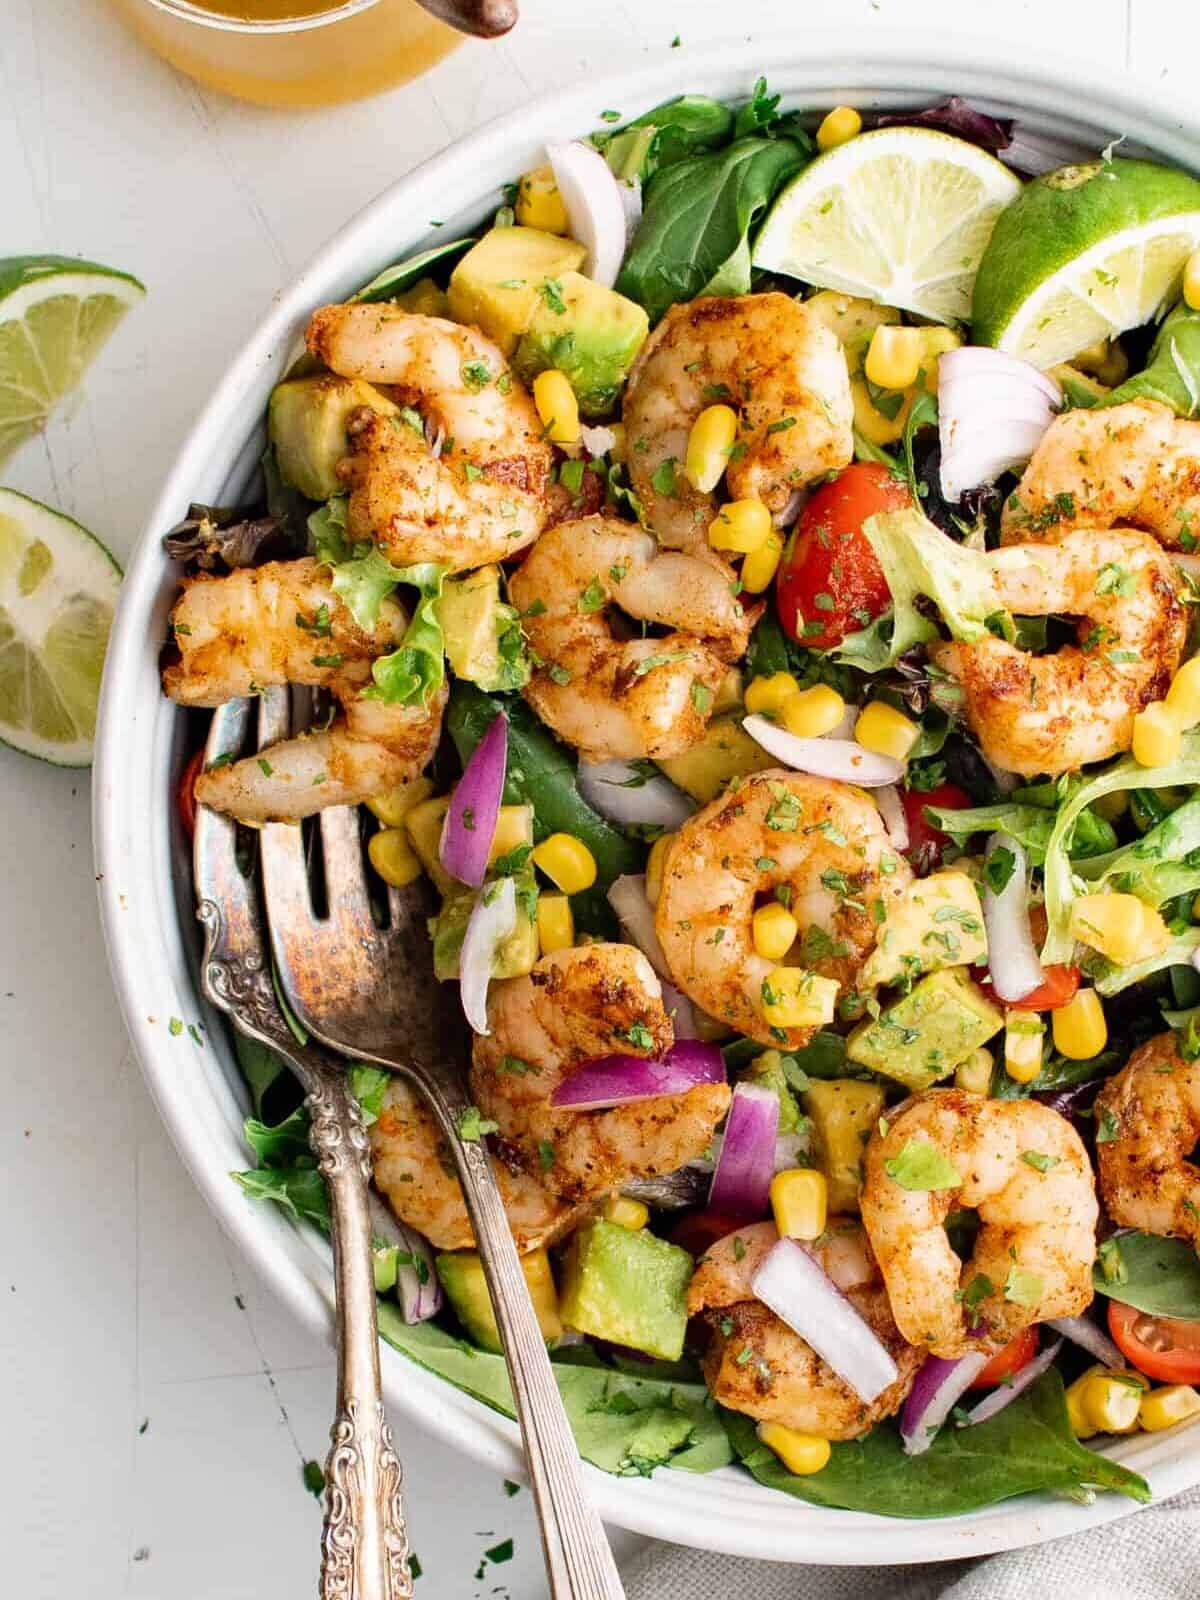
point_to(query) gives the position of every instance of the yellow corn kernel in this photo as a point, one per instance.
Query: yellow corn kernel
(393, 805)
(1023, 1038)
(654, 866)
(1082, 1425)
(793, 997)
(708, 447)
(1174, 1402)
(894, 357)
(1080, 1031)
(539, 203)
(1191, 281)
(393, 858)
(626, 1213)
(729, 695)
(839, 126)
(774, 929)
(885, 730)
(514, 826)
(740, 527)
(617, 451)
(1183, 697)
(567, 862)
(1122, 927)
(800, 1202)
(811, 713)
(761, 565)
(768, 695)
(557, 407)
(975, 1073)
(555, 923)
(1112, 1400)
(801, 1453)
(1157, 736)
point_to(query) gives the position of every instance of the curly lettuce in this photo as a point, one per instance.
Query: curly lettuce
(1172, 372)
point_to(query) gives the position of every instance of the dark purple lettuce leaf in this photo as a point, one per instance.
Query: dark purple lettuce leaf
(957, 117)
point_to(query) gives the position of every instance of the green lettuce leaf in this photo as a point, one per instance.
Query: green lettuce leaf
(1109, 979)
(1158, 1276)
(1163, 863)
(260, 1065)
(283, 1145)
(1030, 826)
(1172, 371)
(299, 1190)
(417, 670)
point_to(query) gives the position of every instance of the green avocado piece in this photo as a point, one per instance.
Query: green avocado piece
(462, 1277)
(590, 333)
(513, 959)
(926, 1034)
(628, 1287)
(498, 283)
(482, 633)
(306, 420)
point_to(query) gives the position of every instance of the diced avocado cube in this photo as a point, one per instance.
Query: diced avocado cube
(513, 959)
(923, 1036)
(482, 633)
(497, 285)
(306, 420)
(726, 751)
(627, 1287)
(844, 1113)
(588, 332)
(426, 298)
(766, 1070)
(461, 1274)
(936, 922)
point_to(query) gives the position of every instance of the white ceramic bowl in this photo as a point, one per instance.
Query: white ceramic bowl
(144, 889)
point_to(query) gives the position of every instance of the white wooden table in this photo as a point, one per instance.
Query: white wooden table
(155, 1404)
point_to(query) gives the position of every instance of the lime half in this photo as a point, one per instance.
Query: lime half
(1084, 254)
(55, 314)
(900, 216)
(58, 590)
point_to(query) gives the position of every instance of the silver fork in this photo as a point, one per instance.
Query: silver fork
(364, 1543)
(370, 992)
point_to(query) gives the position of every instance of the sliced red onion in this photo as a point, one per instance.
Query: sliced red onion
(791, 1283)
(622, 792)
(937, 1389)
(493, 920)
(791, 1150)
(842, 759)
(845, 728)
(1012, 956)
(1005, 1393)
(627, 896)
(992, 412)
(470, 824)
(417, 1287)
(595, 207)
(742, 1180)
(1084, 1332)
(618, 1080)
(680, 1010)
(790, 510)
(1032, 151)
(631, 201)
(895, 820)
(597, 441)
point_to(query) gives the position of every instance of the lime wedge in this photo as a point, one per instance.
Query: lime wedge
(1085, 253)
(58, 589)
(55, 314)
(900, 216)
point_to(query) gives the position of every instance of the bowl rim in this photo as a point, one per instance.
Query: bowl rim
(152, 948)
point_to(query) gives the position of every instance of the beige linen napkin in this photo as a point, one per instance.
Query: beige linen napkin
(1154, 1555)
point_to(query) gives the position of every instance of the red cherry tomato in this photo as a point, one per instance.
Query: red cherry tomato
(1166, 1348)
(925, 842)
(185, 795)
(1059, 989)
(702, 1229)
(1008, 1360)
(831, 583)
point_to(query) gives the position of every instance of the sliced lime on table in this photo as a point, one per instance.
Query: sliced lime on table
(55, 314)
(900, 216)
(58, 590)
(1085, 253)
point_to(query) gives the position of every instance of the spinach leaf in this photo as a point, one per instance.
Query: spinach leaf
(261, 1067)
(299, 1190)
(1027, 1446)
(1158, 1276)
(659, 138)
(1172, 372)
(772, 651)
(694, 236)
(402, 275)
(283, 1145)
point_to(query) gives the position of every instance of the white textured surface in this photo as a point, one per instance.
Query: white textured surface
(120, 1303)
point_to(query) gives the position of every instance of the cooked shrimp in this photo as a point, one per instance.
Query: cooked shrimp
(614, 697)
(1149, 1115)
(1137, 464)
(776, 831)
(781, 369)
(414, 1171)
(485, 495)
(756, 1364)
(574, 1006)
(1055, 713)
(282, 623)
(1024, 1169)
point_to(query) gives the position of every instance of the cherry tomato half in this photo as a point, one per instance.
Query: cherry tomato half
(185, 795)
(831, 583)
(1008, 1360)
(925, 842)
(702, 1229)
(1162, 1347)
(1059, 989)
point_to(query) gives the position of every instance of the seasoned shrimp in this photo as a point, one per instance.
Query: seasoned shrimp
(282, 623)
(613, 697)
(1137, 464)
(781, 369)
(823, 841)
(1055, 713)
(1024, 1169)
(756, 1364)
(485, 495)
(1150, 1116)
(574, 1006)
(414, 1171)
